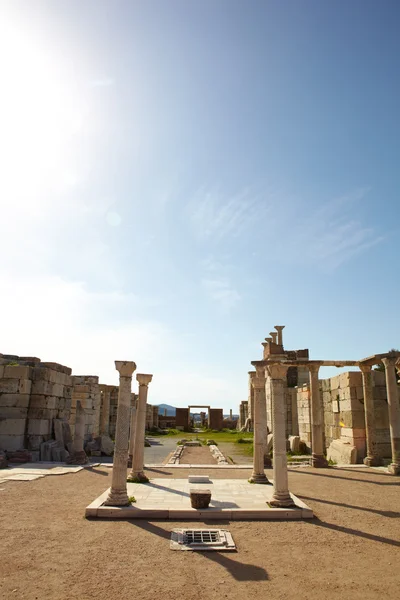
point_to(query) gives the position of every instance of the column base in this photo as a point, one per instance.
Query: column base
(394, 469)
(373, 461)
(281, 501)
(318, 461)
(258, 478)
(78, 458)
(117, 498)
(137, 477)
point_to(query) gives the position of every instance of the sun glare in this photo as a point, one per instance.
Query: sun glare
(40, 115)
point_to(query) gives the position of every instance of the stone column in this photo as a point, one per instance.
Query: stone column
(372, 459)
(118, 495)
(279, 330)
(317, 420)
(259, 428)
(132, 432)
(274, 335)
(276, 377)
(394, 413)
(78, 455)
(105, 413)
(137, 472)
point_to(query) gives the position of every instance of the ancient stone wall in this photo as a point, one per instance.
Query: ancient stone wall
(34, 395)
(86, 389)
(182, 418)
(155, 416)
(344, 415)
(216, 418)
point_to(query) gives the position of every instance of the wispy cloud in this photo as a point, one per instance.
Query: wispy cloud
(216, 283)
(333, 233)
(217, 216)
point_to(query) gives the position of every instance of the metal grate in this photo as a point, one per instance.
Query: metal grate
(202, 536)
(201, 539)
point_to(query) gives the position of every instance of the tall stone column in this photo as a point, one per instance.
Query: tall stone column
(276, 376)
(105, 413)
(372, 459)
(132, 431)
(394, 412)
(118, 495)
(78, 455)
(317, 420)
(260, 429)
(137, 472)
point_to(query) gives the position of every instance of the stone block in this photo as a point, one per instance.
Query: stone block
(12, 426)
(42, 413)
(294, 442)
(350, 379)
(13, 412)
(34, 441)
(12, 442)
(17, 400)
(342, 452)
(379, 378)
(335, 394)
(269, 445)
(1, 371)
(17, 372)
(325, 385)
(106, 445)
(47, 388)
(42, 401)
(25, 386)
(57, 367)
(39, 427)
(9, 386)
(335, 382)
(326, 397)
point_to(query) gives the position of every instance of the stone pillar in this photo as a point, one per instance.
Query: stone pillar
(274, 335)
(372, 459)
(137, 472)
(276, 378)
(118, 495)
(279, 330)
(260, 429)
(394, 413)
(132, 431)
(105, 413)
(78, 456)
(317, 420)
(231, 414)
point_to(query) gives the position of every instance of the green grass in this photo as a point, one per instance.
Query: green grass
(218, 436)
(132, 499)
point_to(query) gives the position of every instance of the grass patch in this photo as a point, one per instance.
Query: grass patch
(132, 499)
(137, 480)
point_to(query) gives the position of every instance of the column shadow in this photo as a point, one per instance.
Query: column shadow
(384, 513)
(239, 570)
(356, 532)
(312, 474)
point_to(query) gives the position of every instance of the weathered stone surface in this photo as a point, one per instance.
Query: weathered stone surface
(294, 442)
(3, 460)
(19, 456)
(342, 453)
(200, 498)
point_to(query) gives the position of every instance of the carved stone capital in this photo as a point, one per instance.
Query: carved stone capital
(390, 361)
(365, 368)
(276, 371)
(125, 367)
(143, 379)
(313, 368)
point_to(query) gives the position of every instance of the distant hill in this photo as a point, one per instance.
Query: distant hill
(171, 410)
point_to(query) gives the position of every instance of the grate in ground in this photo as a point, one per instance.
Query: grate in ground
(201, 539)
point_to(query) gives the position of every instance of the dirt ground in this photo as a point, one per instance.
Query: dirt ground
(48, 550)
(197, 455)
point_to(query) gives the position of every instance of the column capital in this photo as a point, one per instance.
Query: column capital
(143, 379)
(125, 367)
(314, 367)
(390, 361)
(365, 368)
(277, 371)
(274, 335)
(268, 340)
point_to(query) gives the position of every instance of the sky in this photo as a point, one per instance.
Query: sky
(177, 177)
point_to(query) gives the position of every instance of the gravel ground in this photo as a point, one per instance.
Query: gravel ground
(48, 549)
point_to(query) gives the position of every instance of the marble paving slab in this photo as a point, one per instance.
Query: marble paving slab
(233, 499)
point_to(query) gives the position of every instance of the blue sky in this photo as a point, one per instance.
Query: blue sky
(178, 177)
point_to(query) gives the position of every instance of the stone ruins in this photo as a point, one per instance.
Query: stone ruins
(352, 417)
(48, 414)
